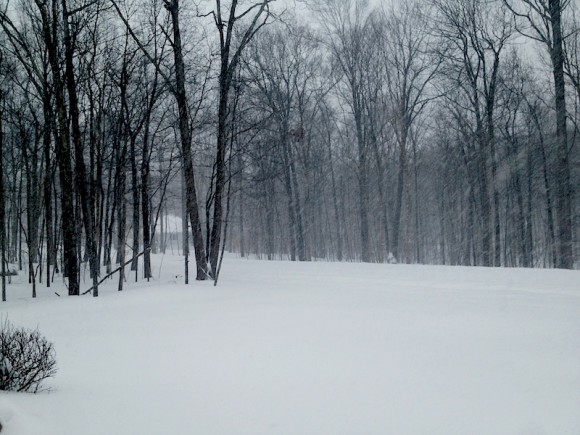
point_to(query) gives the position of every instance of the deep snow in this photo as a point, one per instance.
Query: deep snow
(308, 348)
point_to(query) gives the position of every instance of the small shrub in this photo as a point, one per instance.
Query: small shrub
(26, 359)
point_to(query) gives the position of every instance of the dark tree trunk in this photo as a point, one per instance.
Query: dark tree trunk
(47, 179)
(184, 228)
(121, 212)
(145, 212)
(529, 243)
(402, 176)
(111, 203)
(135, 197)
(241, 200)
(185, 134)
(82, 184)
(363, 177)
(338, 232)
(63, 153)
(121, 236)
(495, 190)
(301, 247)
(564, 188)
(288, 187)
(2, 202)
(220, 166)
(521, 225)
(552, 245)
(269, 200)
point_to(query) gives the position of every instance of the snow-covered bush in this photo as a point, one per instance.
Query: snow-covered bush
(26, 359)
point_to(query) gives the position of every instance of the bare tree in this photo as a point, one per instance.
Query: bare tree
(410, 64)
(283, 78)
(177, 86)
(348, 27)
(49, 18)
(229, 22)
(541, 20)
(478, 34)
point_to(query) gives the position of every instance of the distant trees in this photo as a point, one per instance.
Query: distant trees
(475, 35)
(542, 20)
(416, 132)
(282, 73)
(410, 64)
(348, 26)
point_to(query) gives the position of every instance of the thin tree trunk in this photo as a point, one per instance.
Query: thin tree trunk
(529, 243)
(241, 202)
(145, 212)
(399, 201)
(122, 215)
(363, 177)
(135, 197)
(184, 228)
(297, 208)
(47, 179)
(2, 203)
(337, 228)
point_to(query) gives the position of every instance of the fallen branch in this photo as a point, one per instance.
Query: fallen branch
(114, 271)
(9, 273)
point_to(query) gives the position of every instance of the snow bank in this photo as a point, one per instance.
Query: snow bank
(309, 348)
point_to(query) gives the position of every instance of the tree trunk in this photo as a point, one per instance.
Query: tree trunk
(399, 199)
(63, 154)
(185, 133)
(564, 188)
(47, 179)
(184, 229)
(529, 243)
(135, 197)
(301, 247)
(337, 225)
(145, 212)
(121, 213)
(82, 184)
(241, 202)
(2, 203)
(363, 177)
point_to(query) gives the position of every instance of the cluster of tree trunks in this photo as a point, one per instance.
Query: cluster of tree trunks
(382, 133)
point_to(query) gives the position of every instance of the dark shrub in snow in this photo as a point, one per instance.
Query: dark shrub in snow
(26, 359)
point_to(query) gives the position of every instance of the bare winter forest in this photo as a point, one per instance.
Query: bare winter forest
(427, 131)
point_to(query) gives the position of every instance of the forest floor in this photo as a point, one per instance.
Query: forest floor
(307, 348)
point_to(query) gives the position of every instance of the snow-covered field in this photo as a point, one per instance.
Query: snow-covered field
(315, 348)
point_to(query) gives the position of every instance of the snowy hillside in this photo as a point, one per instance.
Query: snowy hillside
(309, 348)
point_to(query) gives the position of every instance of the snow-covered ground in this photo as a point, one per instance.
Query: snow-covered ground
(311, 348)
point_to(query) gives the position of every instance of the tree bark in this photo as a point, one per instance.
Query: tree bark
(63, 153)
(82, 184)
(564, 195)
(2, 201)
(185, 134)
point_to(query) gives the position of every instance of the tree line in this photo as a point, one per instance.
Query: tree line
(434, 131)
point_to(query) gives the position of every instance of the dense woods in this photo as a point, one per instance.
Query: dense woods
(429, 131)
